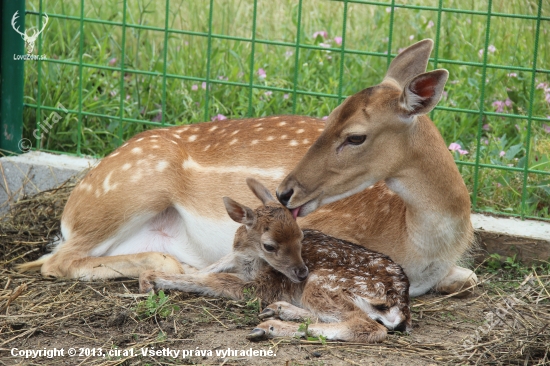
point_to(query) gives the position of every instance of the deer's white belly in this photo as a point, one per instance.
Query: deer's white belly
(193, 240)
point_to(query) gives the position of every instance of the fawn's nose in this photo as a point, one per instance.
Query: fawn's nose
(401, 327)
(301, 273)
(285, 196)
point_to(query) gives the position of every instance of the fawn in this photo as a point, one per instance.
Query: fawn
(354, 293)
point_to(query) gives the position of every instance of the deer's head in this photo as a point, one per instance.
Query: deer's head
(367, 137)
(29, 39)
(271, 233)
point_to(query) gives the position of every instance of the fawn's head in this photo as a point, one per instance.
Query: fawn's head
(271, 233)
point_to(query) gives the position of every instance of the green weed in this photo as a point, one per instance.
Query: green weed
(156, 304)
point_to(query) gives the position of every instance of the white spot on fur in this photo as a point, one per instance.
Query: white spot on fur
(283, 137)
(254, 142)
(107, 184)
(206, 147)
(270, 138)
(192, 138)
(306, 141)
(114, 154)
(228, 169)
(213, 128)
(258, 124)
(281, 123)
(233, 142)
(155, 146)
(176, 136)
(301, 130)
(126, 166)
(174, 142)
(137, 150)
(293, 143)
(137, 176)
(153, 136)
(138, 140)
(259, 129)
(161, 165)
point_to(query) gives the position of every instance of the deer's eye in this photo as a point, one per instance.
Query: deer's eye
(381, 307)
(269, 247)
(356, 139)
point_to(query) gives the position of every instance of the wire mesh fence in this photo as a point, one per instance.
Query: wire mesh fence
(106, 70)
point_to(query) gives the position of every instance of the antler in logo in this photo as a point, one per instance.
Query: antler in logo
(29, 40)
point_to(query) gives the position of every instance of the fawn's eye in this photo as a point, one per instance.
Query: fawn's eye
(269, 247)
(356, 139)
(381, 307)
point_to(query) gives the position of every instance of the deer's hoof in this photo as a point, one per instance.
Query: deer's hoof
(266, 313)
(257, 334)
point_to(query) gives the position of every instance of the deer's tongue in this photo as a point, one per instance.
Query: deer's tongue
(295, 212)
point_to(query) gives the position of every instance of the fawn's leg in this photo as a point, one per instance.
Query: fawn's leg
(285, 311)
(211, 284)
(358, 327)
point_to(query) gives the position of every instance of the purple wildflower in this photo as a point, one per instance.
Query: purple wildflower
(338, 40)
(286, 96)
(499, 106)
(203, 85)
(112, 61)
(219, 117)
(454, 146)
(502, 153)
(546, 128)
(322, 33)
(261, 73)
(194, 87)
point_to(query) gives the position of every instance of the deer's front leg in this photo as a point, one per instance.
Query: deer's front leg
(211, 284)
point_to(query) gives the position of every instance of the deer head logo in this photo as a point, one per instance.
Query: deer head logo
(29, 40)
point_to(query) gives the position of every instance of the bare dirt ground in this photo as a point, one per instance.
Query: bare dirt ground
(506, 322)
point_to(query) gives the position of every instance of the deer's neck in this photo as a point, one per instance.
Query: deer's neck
(437, 202)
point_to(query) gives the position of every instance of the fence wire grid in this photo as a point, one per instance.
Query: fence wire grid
(106, 70)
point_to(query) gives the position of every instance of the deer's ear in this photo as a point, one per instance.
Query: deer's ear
(239, 213)
(421, 94)
(260, 190)
(410, 62)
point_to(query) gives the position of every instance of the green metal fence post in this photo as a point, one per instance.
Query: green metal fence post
(11, 75)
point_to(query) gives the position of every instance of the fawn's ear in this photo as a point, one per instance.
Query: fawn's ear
(260, 191)
(421, 94)
(410, 62)
(239, 213)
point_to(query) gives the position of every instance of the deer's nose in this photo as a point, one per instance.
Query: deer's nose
(301, 273)
(285, 196)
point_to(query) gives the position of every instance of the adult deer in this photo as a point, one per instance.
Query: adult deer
(379, 168)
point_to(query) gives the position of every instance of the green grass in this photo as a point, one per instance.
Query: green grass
(461, 37)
